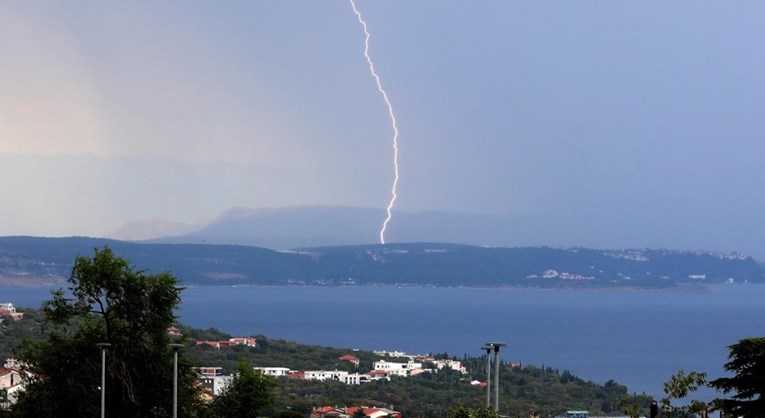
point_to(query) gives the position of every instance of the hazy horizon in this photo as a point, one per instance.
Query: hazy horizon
(615, 124)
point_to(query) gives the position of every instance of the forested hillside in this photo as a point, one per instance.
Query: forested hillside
(47, 261)
(524, 388)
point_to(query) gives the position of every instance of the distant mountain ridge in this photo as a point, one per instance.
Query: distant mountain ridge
(316, 226)
(48, 261)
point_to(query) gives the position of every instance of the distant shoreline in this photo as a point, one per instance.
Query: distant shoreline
(682, 287)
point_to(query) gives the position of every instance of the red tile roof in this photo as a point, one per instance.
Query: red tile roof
(323, 409)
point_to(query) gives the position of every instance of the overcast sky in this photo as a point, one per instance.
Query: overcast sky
(624, 123)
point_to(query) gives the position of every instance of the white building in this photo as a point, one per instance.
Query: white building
(12, 363)
(381, 413)
(209, 371)
(215, 384)
(322, 375)
(357, 379)
(397, 369)
(273, 371)
(10, 386)
(7, 309)
(384, 353)
(452, 364)
(9, 378)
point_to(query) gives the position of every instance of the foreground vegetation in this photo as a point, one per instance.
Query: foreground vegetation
(523, 389)
(109, 302)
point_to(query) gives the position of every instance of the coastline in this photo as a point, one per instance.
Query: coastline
(678, 287)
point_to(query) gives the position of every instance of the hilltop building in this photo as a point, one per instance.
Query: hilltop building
(350, 411)
(273, 371)
(397, 369)
(231, 342)
(7, 309)
(349, 358)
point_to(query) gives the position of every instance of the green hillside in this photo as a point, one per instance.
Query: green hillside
(46, 261)
(523, 388)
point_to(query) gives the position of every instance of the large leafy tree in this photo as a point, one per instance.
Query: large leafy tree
(678, 387)
(461, 411)
(247, 396)
(107, 301)
(747, 362)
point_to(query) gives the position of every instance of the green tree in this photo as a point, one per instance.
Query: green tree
(107, 302)
(289, 414)
(631, 408)
(679, 387)
(461, 411)
(747, 362)
(359, 413)
(247, 396)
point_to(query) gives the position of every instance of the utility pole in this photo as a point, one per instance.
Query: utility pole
(175, 348)
(488, 349)
(103, 347)
(496, 346)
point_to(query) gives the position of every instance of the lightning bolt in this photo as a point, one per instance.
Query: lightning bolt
(380, 88)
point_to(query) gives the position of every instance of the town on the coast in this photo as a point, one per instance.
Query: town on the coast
(212, 381)
(121, 324)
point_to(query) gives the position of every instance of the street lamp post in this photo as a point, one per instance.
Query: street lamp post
(488, 374)
(103, 347)
(175, 348)
(496, 372)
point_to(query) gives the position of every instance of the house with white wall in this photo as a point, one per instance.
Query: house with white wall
(357, 379)
(273, 371)
(10, 385)
(452, 364)
(7, 309)
(214, 385)
(9, 377)
(322, 375)
(397, 369)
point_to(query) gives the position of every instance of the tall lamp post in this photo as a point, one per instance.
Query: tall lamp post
(175, 348)
(496, 372)
(103, 347)
(488, 349)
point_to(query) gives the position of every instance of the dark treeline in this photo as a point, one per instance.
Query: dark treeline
(48, 259)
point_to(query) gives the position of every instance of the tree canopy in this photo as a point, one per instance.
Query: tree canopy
(679, 386)
(747, 383)
(247, 396)
(107, 301)
(461, 411)
(747, 363)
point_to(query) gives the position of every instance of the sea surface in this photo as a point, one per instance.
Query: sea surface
(638, 338)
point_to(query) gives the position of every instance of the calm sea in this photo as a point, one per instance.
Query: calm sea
(638, 338)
